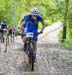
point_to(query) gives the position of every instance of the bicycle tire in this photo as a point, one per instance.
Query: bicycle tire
(31, 55)
(32, 68)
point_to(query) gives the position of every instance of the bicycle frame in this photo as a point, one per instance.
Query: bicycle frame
(30, 50)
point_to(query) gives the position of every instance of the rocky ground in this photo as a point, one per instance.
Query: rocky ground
(51, 59)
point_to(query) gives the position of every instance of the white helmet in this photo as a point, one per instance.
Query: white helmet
(34, 11)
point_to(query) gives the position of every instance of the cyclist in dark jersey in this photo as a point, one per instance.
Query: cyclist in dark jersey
(31, 25)
(3, 28)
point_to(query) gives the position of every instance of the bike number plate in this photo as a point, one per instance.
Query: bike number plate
(30, 34)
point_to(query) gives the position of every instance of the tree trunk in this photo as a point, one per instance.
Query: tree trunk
(7, 41)
(65, 21)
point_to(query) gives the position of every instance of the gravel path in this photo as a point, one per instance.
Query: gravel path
(51, 60)
(14, 61)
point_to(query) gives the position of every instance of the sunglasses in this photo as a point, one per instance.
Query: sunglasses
(35, 15)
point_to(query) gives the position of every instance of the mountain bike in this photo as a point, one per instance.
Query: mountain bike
(29, 49)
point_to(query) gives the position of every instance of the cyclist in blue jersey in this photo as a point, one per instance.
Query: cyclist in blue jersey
(31, 25)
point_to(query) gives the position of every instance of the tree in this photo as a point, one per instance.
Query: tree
(65, 21)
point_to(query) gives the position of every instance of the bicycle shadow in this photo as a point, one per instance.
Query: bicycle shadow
(21, 61)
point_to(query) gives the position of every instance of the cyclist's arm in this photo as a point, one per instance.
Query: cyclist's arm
(1, 28)
(6, 27)
(43, 25)
(22, 25)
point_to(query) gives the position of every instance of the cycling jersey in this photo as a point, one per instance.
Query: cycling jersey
(3, 26)
(12, 30)
(32, 25)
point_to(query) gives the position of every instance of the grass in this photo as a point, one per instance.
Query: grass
(68, 42)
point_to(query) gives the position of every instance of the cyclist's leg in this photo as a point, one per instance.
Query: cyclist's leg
(35, 45)
(22, 33)
(25, 41)
(13, 36)
(24, 38)
(35, 49)
(3, 37)
(0, 36)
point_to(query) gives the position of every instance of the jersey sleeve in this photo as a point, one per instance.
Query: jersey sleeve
(40, 19)
(22, 20)
(2, 26)
(26, 18)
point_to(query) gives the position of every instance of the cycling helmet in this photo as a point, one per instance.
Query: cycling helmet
(35, 11)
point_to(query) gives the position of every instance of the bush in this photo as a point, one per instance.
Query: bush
(68, 42)
(48, 22)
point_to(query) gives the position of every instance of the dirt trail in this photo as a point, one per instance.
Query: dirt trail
(51, 60)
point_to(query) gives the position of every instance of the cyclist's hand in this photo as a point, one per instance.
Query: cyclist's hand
(5, 29)
(40, 32)
(20, 33)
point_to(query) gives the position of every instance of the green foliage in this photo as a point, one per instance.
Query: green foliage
(60, 35)
(14, 10)
(67, 44)
(48, 22)
(51, 10)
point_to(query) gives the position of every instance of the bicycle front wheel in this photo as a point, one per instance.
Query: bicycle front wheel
(31, 55)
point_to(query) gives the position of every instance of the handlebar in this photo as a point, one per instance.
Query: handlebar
(38, 33)
(3, 29)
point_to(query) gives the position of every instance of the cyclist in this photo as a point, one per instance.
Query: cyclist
(31, 21)
(3, 28)
(12, 32)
